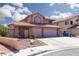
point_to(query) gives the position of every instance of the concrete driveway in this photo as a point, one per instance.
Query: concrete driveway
(61, 41)
(66, 46)
(53, 44)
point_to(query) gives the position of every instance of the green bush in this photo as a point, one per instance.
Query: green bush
(3, 30)
(33, 36)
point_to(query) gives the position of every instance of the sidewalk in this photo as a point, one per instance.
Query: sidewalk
(34, 50)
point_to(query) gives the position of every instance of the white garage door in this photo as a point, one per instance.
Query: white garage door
(37, 32)
(50, 32)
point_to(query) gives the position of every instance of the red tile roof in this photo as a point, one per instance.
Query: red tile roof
(68, 18)
(33, 25)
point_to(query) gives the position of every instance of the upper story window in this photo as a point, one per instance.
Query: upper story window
(71, 22)
(46, 21)
(77, 20)
(66, 22)
(37, 20)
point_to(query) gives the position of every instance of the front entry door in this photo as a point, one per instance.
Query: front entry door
(21, 33)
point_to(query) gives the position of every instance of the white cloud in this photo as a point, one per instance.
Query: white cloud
(57, 12)
(51, 4)
(17, 4)
(61, 15)
(19, 10)
(17, 16)
(65, 14)
(26, 10)
(11, 8)
(7, 10)
(73, 5)
(5, 13)
(54, 16)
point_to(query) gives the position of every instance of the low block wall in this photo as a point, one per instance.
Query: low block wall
(12, 42)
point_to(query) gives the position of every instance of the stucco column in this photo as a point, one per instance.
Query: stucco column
(17, 31)
(42, 32)
(30, 31)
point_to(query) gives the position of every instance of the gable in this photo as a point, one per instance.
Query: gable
(32, 18)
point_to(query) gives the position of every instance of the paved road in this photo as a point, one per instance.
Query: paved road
(66, 52)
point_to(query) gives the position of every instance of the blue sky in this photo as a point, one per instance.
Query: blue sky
(10, 12)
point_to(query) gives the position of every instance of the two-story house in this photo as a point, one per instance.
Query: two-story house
(69, 24)
(34, 24)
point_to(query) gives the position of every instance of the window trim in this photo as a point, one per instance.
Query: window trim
(71, 22)
(35, 20)
(66, 23)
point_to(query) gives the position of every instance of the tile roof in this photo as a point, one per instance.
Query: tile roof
(65, 19)
(33, 25)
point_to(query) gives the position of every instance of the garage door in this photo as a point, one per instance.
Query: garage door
(50, 32)
(37, 32)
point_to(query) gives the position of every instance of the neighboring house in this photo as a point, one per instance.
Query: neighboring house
(34, 24)
(69, 24)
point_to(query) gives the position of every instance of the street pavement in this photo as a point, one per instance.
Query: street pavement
(65, 52)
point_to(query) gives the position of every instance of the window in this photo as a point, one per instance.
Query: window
(37, 20)
(46, 21)
(71, 22)
(66, 23)
(77, 20)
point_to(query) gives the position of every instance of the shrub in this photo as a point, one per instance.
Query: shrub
(33, 36)
(3, 30)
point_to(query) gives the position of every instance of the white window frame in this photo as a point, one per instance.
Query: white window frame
(37, 19)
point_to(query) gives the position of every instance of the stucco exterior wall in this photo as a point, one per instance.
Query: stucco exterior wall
(74, 31)
(37, 31)
(14, 42)
(30, 19)
(63, 25)
(10, 42)
(41, 17)
(13, 31)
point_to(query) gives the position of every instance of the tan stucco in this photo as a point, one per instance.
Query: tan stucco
(74, 31)
(33, 28)
(13, 42)
(62, 23)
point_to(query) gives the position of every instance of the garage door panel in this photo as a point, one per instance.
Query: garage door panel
(37, 32)
(49, 32)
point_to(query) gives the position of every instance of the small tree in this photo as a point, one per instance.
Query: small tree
(33, 37)
(3, 30)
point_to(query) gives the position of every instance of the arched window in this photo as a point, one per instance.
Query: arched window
(37, 20)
